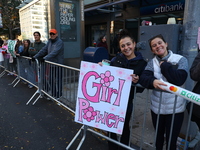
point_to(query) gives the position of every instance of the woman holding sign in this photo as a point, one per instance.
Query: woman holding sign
(130, 59)
(172, 68)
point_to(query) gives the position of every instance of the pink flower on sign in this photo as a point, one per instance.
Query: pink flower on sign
(89, 114)
(122, 112)
(106, 78)
(84, 65)
(112, 109)
(120, 72)
(93, 66)
(82, 73)
(119, 130)
(96, 125)
(129, 78)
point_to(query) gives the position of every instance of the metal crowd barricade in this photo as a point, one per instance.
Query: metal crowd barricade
(60, 83)
(26, 71)
(6, 64)
(142, 142)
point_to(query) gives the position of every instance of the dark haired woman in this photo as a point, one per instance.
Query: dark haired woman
(26, 45)
(102, 42)
(131, 59)
(172, 68)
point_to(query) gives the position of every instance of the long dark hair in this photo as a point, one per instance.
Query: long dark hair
(29, 42)
(101, 37)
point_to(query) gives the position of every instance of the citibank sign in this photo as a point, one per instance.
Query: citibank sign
(162, 8)
(169, 8)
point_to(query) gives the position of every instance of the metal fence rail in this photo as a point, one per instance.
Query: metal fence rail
(60, 84)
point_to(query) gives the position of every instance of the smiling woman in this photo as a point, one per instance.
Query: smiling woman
(130, 59)
(172, 68)
(159, 46)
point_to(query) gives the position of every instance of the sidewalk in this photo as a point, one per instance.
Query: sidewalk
(44, 126)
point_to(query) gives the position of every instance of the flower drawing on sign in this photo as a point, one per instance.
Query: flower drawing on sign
(120, 72)
(122, 112)
(119, 130)
(89, 114)
(112, 109)
(82, 73)
(129, 78)
(96, 125)
(93, 66)
(84, 65)
(106, 78)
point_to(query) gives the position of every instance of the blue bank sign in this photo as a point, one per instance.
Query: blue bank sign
(163, 8)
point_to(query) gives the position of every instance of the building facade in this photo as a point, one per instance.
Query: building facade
(108, 16)
(33, 17)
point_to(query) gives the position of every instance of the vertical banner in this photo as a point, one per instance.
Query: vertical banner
(68, 31)
(1, 22)
(102, 98)
(11, 47)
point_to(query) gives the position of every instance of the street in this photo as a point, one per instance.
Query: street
(44, 126)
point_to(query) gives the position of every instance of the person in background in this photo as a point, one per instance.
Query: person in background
(5, 45)
(24, 64)
(102, 42)
(18, 47)
(171, 68)
(195, 75)
(131, 59)
(10, 61)
(37, 45)
(23, 49)
(115, 43)
(1, 42)
(34, 49)
(53, 51)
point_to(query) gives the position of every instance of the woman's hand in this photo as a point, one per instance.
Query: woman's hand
(157, 84)
(16, 53)
(135, 78)
(100, 63)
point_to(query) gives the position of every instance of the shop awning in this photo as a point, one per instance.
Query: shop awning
(106, 5)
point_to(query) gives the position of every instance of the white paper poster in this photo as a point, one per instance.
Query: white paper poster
(102, 97)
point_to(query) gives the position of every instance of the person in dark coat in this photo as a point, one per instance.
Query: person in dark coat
(195, 75)
(1, 42)
(130, 59)
(102, 42)
(53, 51)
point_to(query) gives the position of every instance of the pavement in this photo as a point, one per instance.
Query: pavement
(43, 126)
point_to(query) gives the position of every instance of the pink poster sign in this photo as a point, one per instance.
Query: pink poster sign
(102, 97)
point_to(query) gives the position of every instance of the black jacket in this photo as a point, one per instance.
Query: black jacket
(137, 64)
(195, 75)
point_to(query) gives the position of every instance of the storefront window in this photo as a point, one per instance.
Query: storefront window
(97, 31)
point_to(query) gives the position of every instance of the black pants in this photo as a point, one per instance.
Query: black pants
(52, 80)
(125, 134)
(164, 126)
